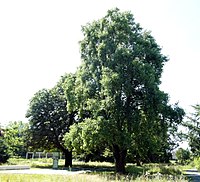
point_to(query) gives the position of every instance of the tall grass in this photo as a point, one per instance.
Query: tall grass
(85, 178)
(48, 178)
(163, 169)
(197, 162)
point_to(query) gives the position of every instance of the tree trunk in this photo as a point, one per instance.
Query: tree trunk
(67, 153)
(120, 159)
(138, 162)
(68, 158)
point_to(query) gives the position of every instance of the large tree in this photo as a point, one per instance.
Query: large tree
(49, 120)
(118, 82)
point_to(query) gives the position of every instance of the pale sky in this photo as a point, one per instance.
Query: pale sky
(39, 43)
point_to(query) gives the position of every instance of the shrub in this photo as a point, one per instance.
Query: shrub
(4, 156)
(182, 155)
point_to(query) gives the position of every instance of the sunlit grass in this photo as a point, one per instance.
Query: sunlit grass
(34, 163)
(99, 172)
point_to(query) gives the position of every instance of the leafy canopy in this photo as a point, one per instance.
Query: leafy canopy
(48, 118)
(15, 136)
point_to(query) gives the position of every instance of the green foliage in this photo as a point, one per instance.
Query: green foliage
(84, 136)
(116, 92)
(79, 139)
(4, 154)
(15, 136)
(183, 155)
(49, 119)
(193, 126)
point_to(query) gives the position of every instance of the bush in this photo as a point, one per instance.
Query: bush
(183, 155)
(4, 156)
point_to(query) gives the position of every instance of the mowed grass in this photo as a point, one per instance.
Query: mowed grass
(33, 163)
(100, 172)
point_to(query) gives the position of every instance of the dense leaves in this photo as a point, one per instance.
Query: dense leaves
(15, 137)
(183, 155)
(4, 154)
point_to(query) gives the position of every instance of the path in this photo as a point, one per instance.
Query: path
(193, 174)
(42, 171)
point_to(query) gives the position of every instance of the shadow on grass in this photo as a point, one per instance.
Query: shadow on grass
(90, 167)
(101, 169)
(41, 166)
(108, 172)
(136, 170)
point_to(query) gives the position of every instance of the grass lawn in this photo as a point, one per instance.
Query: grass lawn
(101, 172)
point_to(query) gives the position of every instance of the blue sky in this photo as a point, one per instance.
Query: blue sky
(39, 43)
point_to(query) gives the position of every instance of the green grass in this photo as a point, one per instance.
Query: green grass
(164, 169)
(197, 162)
(34, 163)
(101, 172)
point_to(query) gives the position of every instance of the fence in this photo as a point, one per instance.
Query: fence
(39, 155)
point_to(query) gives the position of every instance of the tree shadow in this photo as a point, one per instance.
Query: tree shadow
(90, 167)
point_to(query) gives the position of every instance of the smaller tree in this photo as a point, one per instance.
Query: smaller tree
(49, 120)
(182, 155)
(15, 138)
(193, 126)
